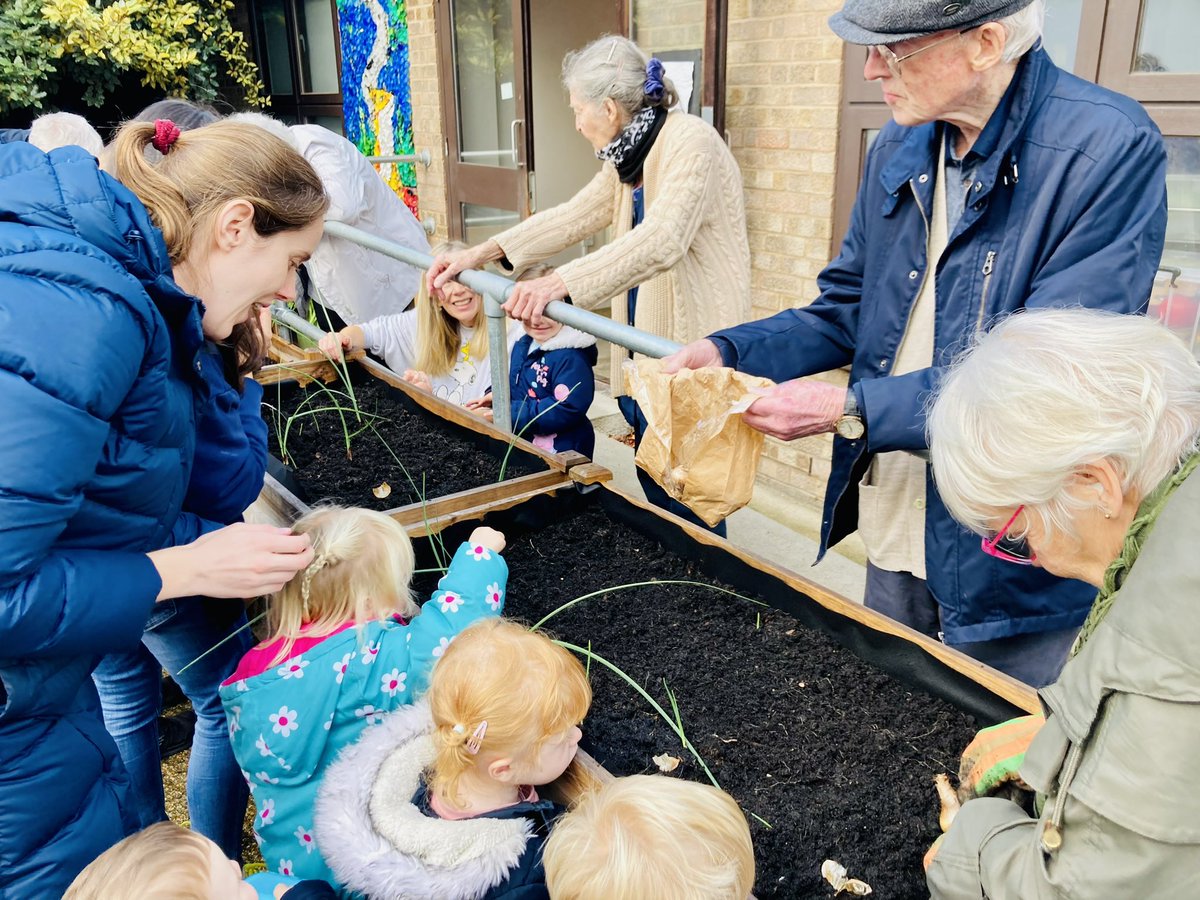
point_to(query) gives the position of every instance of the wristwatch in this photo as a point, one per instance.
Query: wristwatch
(851, 425)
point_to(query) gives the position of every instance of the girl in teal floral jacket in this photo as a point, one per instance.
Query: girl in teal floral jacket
(348, 646)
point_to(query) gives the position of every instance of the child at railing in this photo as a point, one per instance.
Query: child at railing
(551, 383)
(440, 345)
(449, 808)
(347, 646)
(651, 836)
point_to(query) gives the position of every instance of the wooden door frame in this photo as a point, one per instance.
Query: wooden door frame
(486, 185)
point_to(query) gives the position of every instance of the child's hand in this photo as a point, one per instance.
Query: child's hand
(418, 379)
(488, 537)
(484, 402)
(349, 338)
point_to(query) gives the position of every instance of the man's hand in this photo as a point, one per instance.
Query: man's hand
(994, 756)
(529, 298)
(796, 409)
(697, 355)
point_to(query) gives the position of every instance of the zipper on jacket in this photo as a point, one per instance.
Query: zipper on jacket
(988, 265)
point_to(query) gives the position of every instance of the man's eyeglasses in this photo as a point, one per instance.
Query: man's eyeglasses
(1013, 550)
(892, 61)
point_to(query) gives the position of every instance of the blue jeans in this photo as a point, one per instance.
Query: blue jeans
(130, 687)
(653, 491)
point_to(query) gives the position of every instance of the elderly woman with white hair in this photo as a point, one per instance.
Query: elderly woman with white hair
(1068, 439)
(679, 261)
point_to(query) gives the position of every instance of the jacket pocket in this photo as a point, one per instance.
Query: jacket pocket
(870, 529)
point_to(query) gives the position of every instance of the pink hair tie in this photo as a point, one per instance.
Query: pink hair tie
(166, 133)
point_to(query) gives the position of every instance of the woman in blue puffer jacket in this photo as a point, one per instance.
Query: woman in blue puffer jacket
(107, 292)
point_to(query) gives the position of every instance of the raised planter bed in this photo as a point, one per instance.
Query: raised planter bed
(824, 720)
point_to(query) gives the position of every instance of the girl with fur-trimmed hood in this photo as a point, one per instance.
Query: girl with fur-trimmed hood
(441, 800)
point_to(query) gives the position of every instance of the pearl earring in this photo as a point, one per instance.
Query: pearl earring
(1107, 514)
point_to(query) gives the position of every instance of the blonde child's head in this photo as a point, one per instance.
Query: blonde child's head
(531, 693)
(651, 836)
(362, 565)
(439, 319)
(163, 861)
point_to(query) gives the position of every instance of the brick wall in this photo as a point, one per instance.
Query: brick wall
(425, 81)
(783, 89)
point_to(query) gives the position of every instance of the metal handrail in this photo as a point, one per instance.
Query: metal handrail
(495, 290)
(422, 157)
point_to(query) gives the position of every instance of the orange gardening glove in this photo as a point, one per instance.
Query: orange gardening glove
(994, 757)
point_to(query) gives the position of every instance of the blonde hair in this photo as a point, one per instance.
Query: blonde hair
(362, 565)
(437, 331)
(162, 861)
(651, 836)
(526, 687)
(207, 167)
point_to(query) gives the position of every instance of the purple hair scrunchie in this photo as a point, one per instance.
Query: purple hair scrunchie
(654, 87)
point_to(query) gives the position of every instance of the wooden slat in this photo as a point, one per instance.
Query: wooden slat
(1015, 692)
(590, 473)
(433, 526)
(476, 498)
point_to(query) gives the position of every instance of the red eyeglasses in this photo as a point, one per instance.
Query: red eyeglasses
(1013, 550)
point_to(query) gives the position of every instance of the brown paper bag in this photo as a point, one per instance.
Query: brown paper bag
(696, 445)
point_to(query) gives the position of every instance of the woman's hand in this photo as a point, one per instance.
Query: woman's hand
(529, 298)
(697, 355)
(487, 537)
(349, 339)
(418, 379)
(240, 561)
(447, 265)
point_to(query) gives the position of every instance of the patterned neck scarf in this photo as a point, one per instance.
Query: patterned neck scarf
(628, 150)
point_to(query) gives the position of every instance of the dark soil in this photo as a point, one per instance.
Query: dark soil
(419, 455)
(836, 756)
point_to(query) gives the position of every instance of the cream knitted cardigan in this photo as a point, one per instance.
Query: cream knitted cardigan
(690, 256)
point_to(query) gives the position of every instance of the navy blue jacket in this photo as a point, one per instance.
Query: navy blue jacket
(98, 349)
(231, 446)
(1068, 208)
(560, 370)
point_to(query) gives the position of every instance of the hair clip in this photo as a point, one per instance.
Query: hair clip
(476, 738)
(612, 48)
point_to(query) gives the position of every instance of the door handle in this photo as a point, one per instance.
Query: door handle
(512, 138)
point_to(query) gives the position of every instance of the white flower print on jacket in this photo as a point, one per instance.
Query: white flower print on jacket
(294, 723)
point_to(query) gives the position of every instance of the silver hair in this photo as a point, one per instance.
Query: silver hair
(1022, 30)
(1050, 390)
(267, 123)
(613, 67)
(54, 130)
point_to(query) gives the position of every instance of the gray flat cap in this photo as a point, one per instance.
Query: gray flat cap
(891, 21)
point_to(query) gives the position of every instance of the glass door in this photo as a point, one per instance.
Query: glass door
(487, 117)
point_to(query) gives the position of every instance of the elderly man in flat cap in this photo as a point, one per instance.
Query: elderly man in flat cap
(1001, 182)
